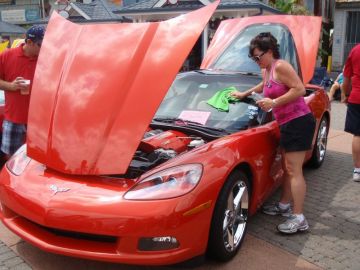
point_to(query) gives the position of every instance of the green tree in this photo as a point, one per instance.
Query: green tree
(294, 7)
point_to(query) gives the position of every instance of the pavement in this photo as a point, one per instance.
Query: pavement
(331, 207)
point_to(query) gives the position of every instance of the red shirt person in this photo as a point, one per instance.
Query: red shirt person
(351, 94)
(17, 68)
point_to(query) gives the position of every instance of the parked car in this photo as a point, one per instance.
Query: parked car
(125, 160)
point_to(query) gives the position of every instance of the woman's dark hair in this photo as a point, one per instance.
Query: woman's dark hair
(265, 41)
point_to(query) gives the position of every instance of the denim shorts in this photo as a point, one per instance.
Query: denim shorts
(13, 136)
(352, 121)
(297, 134)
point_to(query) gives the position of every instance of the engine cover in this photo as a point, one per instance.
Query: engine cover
(169, 139)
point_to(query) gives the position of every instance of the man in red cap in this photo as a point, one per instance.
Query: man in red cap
(17, 68)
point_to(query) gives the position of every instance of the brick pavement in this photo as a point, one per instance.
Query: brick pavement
(9, 260)
(333, 212)
(331, 207)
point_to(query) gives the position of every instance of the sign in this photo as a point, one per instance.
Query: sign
(195, 116)
(20, 15)
(32, 14)
(11, 16)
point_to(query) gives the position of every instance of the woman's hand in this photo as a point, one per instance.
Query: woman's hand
(266, 104)
(238, 94)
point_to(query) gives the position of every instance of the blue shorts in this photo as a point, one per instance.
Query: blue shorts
(13, 136)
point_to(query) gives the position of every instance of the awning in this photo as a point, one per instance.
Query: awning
(8, 29)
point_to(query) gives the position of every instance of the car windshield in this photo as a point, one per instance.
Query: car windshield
(235, 57)
(187, 100)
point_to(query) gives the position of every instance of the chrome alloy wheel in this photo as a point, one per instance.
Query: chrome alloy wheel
(321, 140)
(236, 215)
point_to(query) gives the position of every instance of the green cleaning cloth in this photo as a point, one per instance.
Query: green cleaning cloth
(222, 98)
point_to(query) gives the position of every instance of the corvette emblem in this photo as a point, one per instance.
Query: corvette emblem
(55, 189)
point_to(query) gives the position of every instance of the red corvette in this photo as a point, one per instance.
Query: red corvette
(127, 162)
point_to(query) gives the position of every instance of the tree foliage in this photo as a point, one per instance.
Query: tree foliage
(293, 7)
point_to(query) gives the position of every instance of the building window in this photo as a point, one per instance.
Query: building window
(352, 36)
(353, 27)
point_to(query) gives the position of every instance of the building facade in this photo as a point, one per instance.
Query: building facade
(342, 17)
(28, 12)
(158, 10)
(346, 31)
(22, 11)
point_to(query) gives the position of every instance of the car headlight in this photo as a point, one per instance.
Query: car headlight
(18, 162)
(169, 183)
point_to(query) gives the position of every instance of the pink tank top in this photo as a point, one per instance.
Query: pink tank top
(289, 111)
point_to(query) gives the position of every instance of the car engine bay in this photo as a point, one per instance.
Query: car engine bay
(158, 146)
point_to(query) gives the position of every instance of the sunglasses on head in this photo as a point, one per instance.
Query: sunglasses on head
(257, 58)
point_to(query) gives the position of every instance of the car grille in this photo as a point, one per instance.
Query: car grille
(78, 235)
(82, 236)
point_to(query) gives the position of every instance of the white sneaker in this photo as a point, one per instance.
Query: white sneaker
(274, 209)
(293, 225)
(356, 176)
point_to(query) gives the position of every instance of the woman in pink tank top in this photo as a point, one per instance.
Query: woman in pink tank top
(284, 91)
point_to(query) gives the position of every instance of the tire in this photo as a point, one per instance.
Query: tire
(230, 218)
(319, 151)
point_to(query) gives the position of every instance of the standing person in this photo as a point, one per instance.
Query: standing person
(17, 68)
(283, 91)
(351, 95)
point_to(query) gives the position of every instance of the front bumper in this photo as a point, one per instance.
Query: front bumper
(93, 221)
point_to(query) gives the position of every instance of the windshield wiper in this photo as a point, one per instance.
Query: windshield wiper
(183, 122)
(175, 119)
(226, 72)
(248, 73)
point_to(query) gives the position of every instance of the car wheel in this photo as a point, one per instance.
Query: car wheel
(319, 150)
(230, 218)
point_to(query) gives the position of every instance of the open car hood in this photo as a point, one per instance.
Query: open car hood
(304, 29)
(97, 87)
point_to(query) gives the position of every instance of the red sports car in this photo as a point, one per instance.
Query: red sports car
(127, 162)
